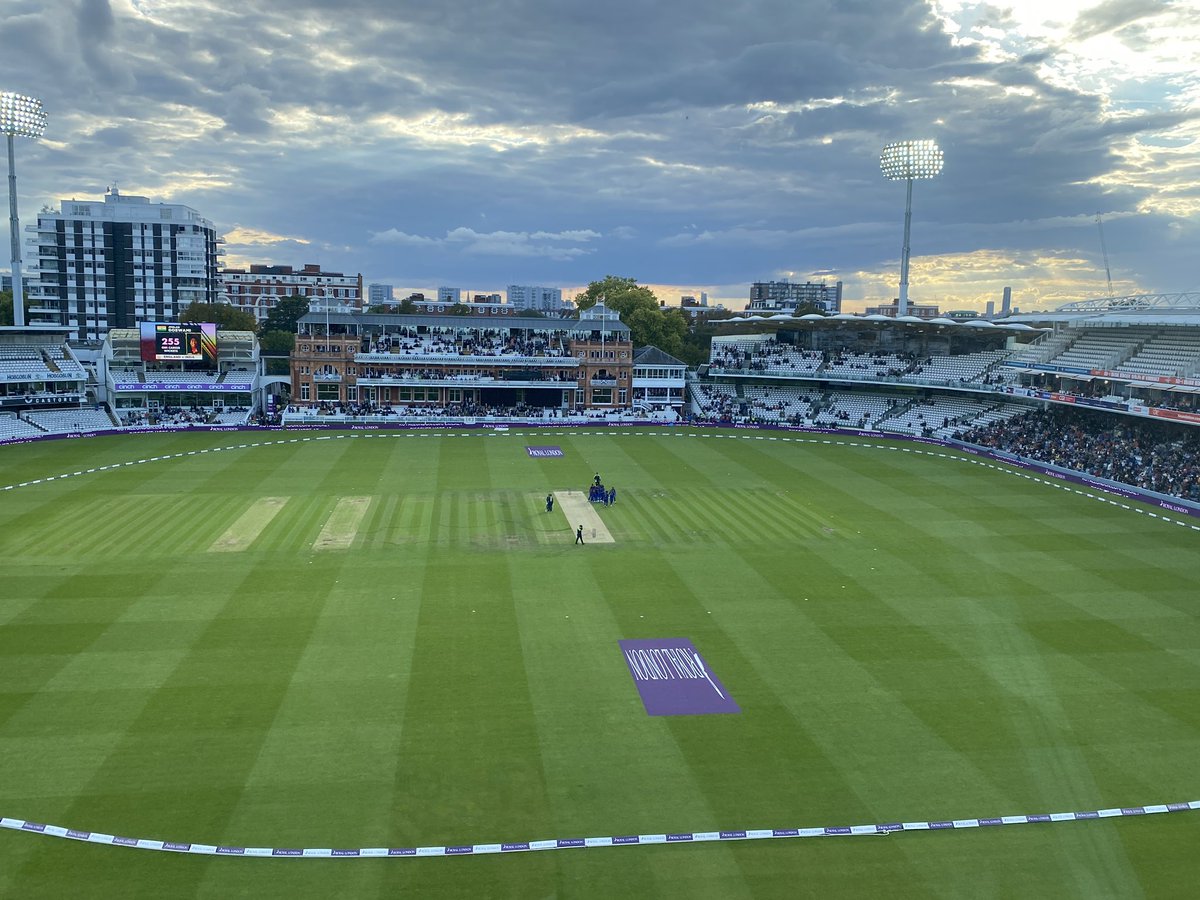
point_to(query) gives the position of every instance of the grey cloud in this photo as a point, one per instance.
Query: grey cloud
(95, 26)
(1114, 14)
(245, 110)
(662, 91)
(497, 243)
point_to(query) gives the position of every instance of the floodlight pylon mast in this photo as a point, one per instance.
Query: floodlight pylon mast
(14, 232)
(19, 115)
(902, 302)
(905, 161)
(1104, 251)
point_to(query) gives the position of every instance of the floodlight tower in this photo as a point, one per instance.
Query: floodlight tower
(24, 116)
(906, 161)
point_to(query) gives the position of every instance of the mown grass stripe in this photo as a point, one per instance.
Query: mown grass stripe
(637, 507)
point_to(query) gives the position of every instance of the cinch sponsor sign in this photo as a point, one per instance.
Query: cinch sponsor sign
(544, 452)
(674, 680)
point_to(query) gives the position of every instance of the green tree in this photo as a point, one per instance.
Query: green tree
(623, 295)
(284, 315)
(6, 308)
(223, 315)
(648, 322)
(697, 343)
(459, 309)
(407, 307)
(380, 308)
(276, 348)
(277, 343)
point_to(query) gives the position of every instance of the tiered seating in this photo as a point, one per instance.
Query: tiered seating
(1001, 412)
(853, 410)
(1165, 354)
(231, 417)
(60, 421)
(746, 343)
(923, 416)
(474, 342)
(714, 401)
(12, 427)
(774, 403)
(1038, 351)
(65, 363)
(966, 367)
(866, 365)
(23, 363)
(1097, 349)
(764, 355)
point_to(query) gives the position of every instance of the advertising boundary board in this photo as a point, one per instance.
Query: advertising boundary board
(1176, 505)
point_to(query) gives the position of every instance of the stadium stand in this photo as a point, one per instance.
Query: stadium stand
(769, 357)
(229, 416)
(922, 417)
(63, 421)
(13, 427)
(853, 410)
(1097, 349)
(1130, 451)
(1164, 354)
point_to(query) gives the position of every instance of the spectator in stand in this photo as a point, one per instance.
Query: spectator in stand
(1156, 456)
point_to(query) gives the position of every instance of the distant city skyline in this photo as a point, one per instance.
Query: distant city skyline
(705, 145)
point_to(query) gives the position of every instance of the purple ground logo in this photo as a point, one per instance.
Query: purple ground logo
(544, 452)
(674, 680)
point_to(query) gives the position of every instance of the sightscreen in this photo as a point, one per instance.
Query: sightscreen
(166, 341)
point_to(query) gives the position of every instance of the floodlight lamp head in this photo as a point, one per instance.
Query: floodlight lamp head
(21, 116)
(902, 160)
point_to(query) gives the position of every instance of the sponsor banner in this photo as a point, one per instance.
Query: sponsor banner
(1142, 376)
(1072, 399)
(545, 452)
(1176, 415)
(674, 680)
(1050, 367)
(183, 386)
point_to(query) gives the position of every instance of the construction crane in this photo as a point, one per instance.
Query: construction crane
(1104, 250)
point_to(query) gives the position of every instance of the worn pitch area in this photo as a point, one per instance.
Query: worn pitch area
(249, 525)
(577, 509)
(342, 524)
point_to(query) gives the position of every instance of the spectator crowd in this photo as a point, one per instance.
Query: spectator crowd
(1149, 455)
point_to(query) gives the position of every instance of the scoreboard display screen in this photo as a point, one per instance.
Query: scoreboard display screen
(165, 341)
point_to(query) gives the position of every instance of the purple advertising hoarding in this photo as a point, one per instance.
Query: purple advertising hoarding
(182, 386)
(673, 679)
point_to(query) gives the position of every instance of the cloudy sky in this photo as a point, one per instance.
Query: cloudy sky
(696, 145)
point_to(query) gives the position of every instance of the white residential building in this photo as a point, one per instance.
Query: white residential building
(379, 293)
(532, 296)
(785, 296)
(116, 262)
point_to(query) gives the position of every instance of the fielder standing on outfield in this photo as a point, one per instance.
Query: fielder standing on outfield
(549, 503)
(579, 535)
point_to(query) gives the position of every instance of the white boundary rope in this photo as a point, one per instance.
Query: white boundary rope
(681, 837)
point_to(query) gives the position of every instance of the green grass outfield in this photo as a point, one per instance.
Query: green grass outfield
(909, 638)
